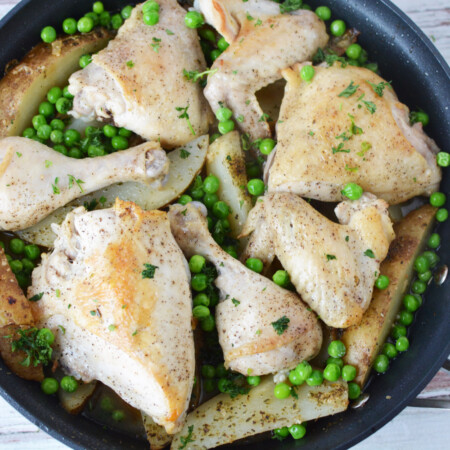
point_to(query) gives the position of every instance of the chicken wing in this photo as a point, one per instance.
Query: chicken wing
(332, 266)
(347, 125)
(250, 307)
(116, 294)
(263, 42)
(35, 180)
(138, 79)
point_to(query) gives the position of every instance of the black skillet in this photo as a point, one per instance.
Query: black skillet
(421, 78)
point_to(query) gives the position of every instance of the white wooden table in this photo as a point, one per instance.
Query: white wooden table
(414, 428)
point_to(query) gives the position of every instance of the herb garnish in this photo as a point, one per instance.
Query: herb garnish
(48, 163)
(281, 325)
(340, 149)
(170, 33)
(184, 115)
(290, 5)
(330, 257)
(155, 46)
(130, 64)
(36, 297)
(55, 187)
(185, 440)
(349, 90)
(265, 118)
(379, 88)
(351, 169)
(149, 271)
(235, 302)
(184, 154)
(195, 75)
(79, 182)
(19, 155)
(369, 253)
(365, 147)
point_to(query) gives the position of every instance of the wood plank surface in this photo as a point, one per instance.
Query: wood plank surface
(415, 428)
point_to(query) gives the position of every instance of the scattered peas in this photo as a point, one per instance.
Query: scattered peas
(63, 105)
(382, 282)
(57, 136)
(418, 287)
(336, 349)
(211, 184)
(185, 199)
(126, 12)
(432, 257)
(199, 282)
(425, 276)
(438, 199)
(420, 116)
(389, 350)
(254, 264)
(434, 241)
(214, 137)
(226, 127)
(16, 266)
(44, 132)
(210, 199)
(38, 120)
(28, 265)
(421, 264)
(354, 51)
(281, 432)
(221, 371)
(201, 300)
(354, 391)
(381, 363)
(57, 124)
(54, 94)
(118, 415)
(85, 60)
(256, 187)
(281, 391)
(48, 34)
(338, 361)
(75, 153)
(442, 215)
(307, 73)
(323, 12)
(398, 331)
(151, 5)
(281, 278)
(411, 303)
(69, 384)
(304, 369)
(85, 25)
(254, 381)
(197, 263)
(66, 93)
(315, 379)
(119, 143)
(208, 371)
(98, 7)
(352, 191)
(49, 386)
(266, 146)
(194, 19)
(443, 159)
(208, 323)
(209, 384)
(402, 344)
(221, 210)
(29, 133)
(151, 18)
(223, 114)
(348, 373)
(332, 372)
(46, 109)
(200, 312)
(17, 246)
(406, 318)
(117, 21)
(208, 34)
(338, 27)
(71, 136)
(297, 431)
(222, 44)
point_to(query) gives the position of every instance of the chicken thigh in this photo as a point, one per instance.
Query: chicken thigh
(35, 180)
(263, 42)
(138, 79)
(347, 125)
(332, 266)
(116, 294)
(251, 306)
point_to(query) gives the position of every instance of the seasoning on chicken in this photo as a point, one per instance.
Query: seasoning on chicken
(35, 180)
(116, 295)
(347, 125)
(262, 327)
(138, 79)
(332, 266)
(262, 43)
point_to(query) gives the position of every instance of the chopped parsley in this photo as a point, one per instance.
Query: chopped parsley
(130, 64)
(281, 325)
(240, 118)
(58, 293)
(186, 439)
(258, 23)
(340, 149)
(135, 332)
(354, 129)
(344, 136)
(371, 107)
(349, 90)
(235, 302)
(365, 147)
(48, 163)
(111, 327)
(149, 271)
(330, 257)
(379, 88)
(19, 155)
(369, 253)
(351, 169)
(347, 238)
(265, 118)
(184, 154)
(290, 5)
(36, 297)
(249, 17)
(195, 75)
(170, 33)
(90, 206)
(311, 133)
(63, 330)
(78, 182)
(184, 115)
(55, 187)
(156, 44)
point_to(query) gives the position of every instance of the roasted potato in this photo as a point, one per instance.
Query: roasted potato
(226, 161)
(26, 84)
(74, 402)
(363, 341)
(156, 434)
(185, 164)
(223, 420)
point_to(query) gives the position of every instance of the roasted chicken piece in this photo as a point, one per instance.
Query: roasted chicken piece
(116, 294)
(35, 180)
(347, 125)
(332, 266)
(262, 327)
(262, 43)
(138, 79)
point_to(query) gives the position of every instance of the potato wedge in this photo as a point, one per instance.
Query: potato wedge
(185, 164)
(74, 402)
(363, 341)
(24, 87)
(156, 434)
(226, 161)
(223, 420)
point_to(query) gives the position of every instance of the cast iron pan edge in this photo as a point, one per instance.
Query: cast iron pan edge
(421, 79)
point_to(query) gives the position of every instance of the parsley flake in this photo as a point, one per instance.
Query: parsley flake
(340, 149)
(369, 253)
(112, 327)
(235, 302)
(78, 182)
(281, 325)
(195, 75)
(186, 439)
(379, 88)
(290, 5)
(156, 44)
(184, 115)
(36, 297)
(48, 163)
(55, 187)
(330, 257)
(184, 154)
(130, 64)
(149, 271)
(19, 155)
(349, 90)
(170, 33)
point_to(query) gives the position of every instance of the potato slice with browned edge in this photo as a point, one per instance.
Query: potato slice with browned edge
(226, 161)
(223, 420)
(15, 313)
(156, 434)
(74, 402)
(25, 85)
(185, 164)
(364, 341)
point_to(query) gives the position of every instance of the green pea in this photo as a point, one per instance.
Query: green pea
(185, 199)
(57, 124)
(419, 287)
(221, 210)
(63, 105)
(437, 199)
(425, 276)
(402, 344)
(199, 282)
(66, 93)
(54, 94)
(208, 371)
(69, 26)
(348, 373)
(49, 386)
(109, 131)
(226, 127)
(434, 241)
(119, 143)
(118, 415)
(295, 378)
(306, 7)
(197, 263)
(352, 191)
(381, 363)
(266, 146)
(338, 361)
(57, 136)
(406, 318)
(332, 372)
(117, 21)
(254, 380)
(208, 34)
(48, 34)
(209, 384)
(281, 278)
(442, 215)
(75, 152)
(354, 391)
(281, 433)
(338, 27)
(44, 132)
(38, 120)
(398, 330)
(17, 246)
(222, 44)
(433, 259)
(323, 12)
(105, 19)
(126, 12)
(46, 109)
(231, 251)
(106, 404)
(98, 7)
(315, 379)
(221, 371)
(124, 132)
(16, 266)
(208, 323)
(363, 57)
(61, 149)
(254, 264)
(421, 264)
(389, 350)
(194, 19)
(223, 114)
(420, 116)
(281, 391)
(200, 312)
(210, 199)
(94, 151)
(201, 300)
(256, 187)
(71, 136)
(411, 303)
(27, 265)
(211, 184)
(69, 384)
(304, 369)
(214, 54)
(354, 51)
(297, 431)
(85, 25)
(214, 137)
(307, 73)
(336, 349)
(151, 18)
(382, 282)
(151, 5)
(85, 60)
(443, 159)
(29, 133)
